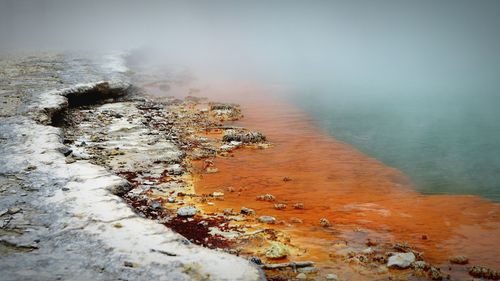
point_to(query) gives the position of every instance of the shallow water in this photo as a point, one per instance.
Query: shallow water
(446, 145)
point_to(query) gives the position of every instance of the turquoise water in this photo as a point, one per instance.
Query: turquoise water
(446, 145)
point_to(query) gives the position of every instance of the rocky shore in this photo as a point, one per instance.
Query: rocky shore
(61, 215)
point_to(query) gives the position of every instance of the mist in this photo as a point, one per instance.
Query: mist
(401, 80)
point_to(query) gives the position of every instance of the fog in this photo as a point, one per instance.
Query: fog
(382, 45)
(413, 83)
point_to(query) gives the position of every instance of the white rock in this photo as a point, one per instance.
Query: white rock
(187, 211)
(401, 260)
(267, 219)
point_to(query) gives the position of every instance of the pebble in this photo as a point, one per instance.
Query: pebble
(280, 206)
(247, 211)
(459, 259)
(267, 219)
(266, 197)
(298, 206)
(324, 222)
(187, 211)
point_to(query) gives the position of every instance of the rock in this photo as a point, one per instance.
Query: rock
(256, 260)
(70, 160)
(331, 277)
(228, 212)
(267, 219)
(484, 272)
(244, 137)
(187, 211)
(211, 170)
(266, 197)
(171, 200)
(295, 220)
(280, 206)
(285, 179)
(128, 264)
(218, 194)
(298, 206)
(155, 205)
(435, 273)
(459, 259)
(65, 150)
(31, 168)
(420, 265)
(301, 276)
(247, 211)
(122, 188)
(81, 155)
(308, 269)
(401, 260)
(324, 222)
(277, 251)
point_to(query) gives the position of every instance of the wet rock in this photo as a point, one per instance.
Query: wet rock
(298, 206)
(247, 211)
(225, 111)
(266, 197)
(285, 179)
(331, 277)
(211, 170)
(324, 222)
(435, 273)
(267, 219)
(484, 272)
(171, 200)
(277, 251)
(421, 265)
(459, 259)
(280, 206)
(401, 260)
(187, 211)
(244, 137)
